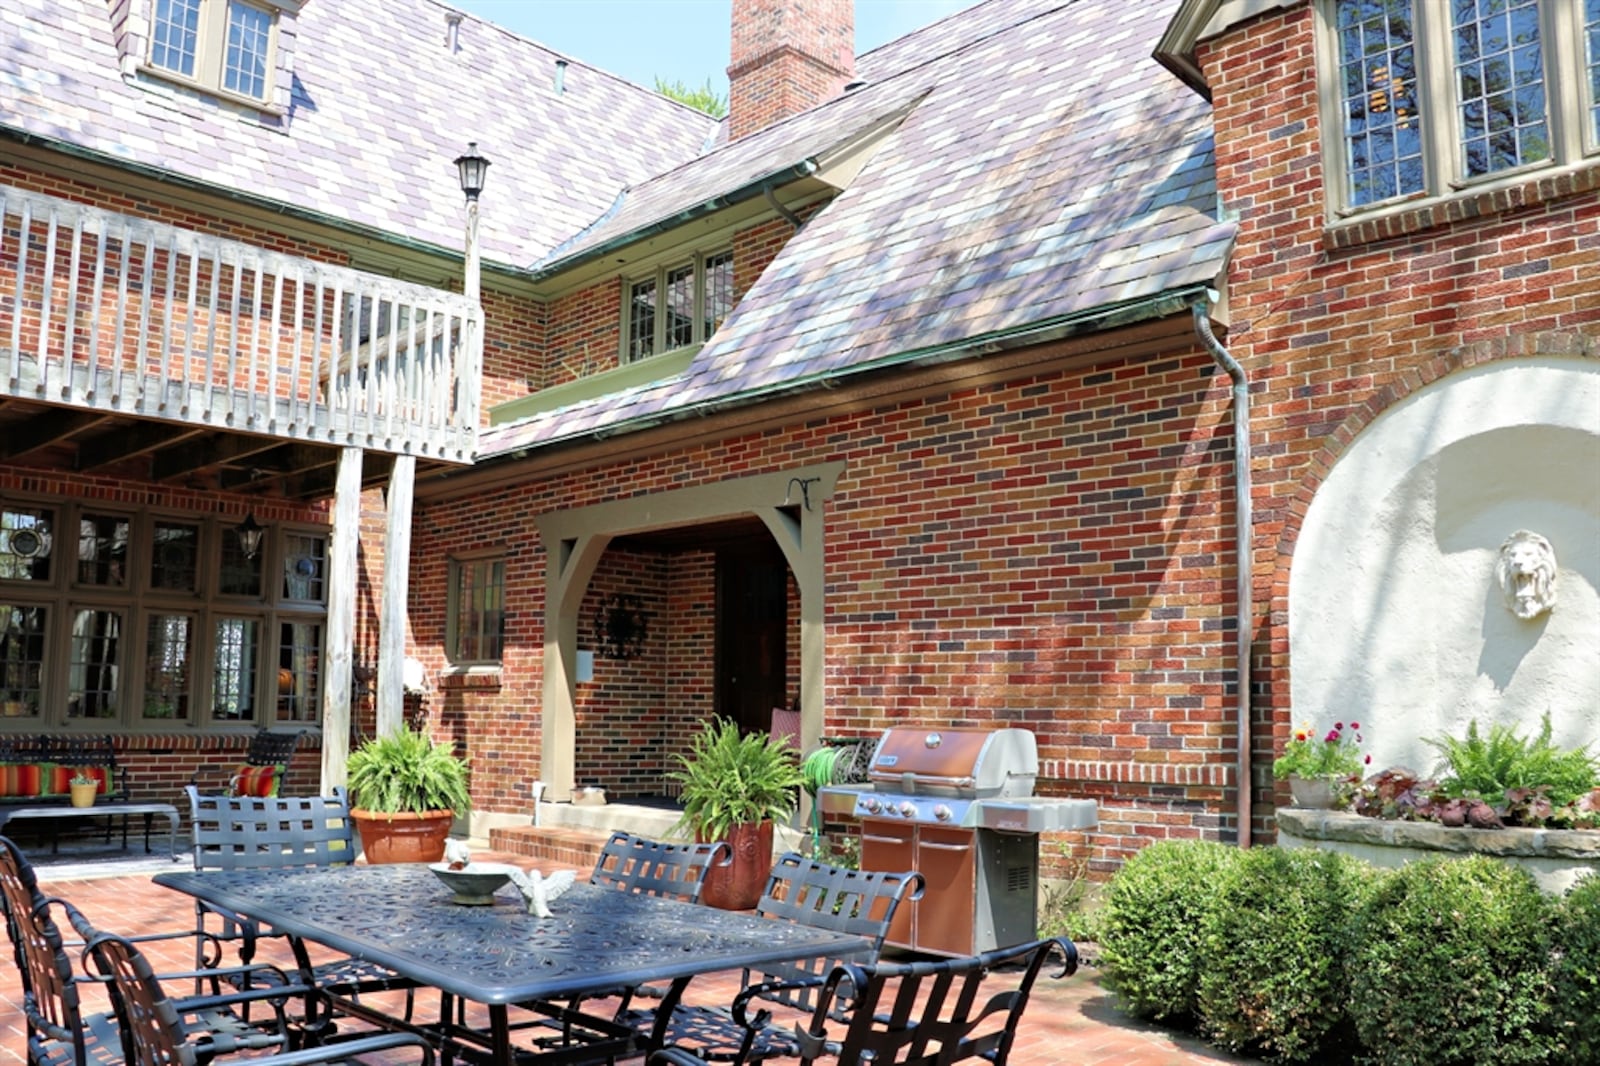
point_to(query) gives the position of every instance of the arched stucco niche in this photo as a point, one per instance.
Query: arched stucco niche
(1395, 616)
(790, 503)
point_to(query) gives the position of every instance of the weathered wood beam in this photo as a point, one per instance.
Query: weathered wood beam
(342, 580)
(43, 430)
(392, 608)
(319, 483)
(214, 450)
(136, 440)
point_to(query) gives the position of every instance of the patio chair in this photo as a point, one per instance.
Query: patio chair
(648, 867)
(656, 868)
(805, 891)
(902, 1014)
(152, 1031)
(281, 832)
(266, 762)
(60, 1033)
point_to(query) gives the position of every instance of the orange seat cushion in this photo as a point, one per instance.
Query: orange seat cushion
(60, 778)
(22, 779)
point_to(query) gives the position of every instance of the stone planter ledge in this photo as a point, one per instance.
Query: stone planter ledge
(1556, 857)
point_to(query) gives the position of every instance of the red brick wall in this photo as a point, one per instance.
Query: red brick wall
(514, 342)
(585, 333)
(1335, 325)
(1049, 553)
(786, 56)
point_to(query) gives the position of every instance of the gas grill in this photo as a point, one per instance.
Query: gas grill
(957, 805)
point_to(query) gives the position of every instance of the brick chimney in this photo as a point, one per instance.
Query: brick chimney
(787, 56)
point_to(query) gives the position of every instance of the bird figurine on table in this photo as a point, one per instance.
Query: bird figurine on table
(539, 890)
(456, 854)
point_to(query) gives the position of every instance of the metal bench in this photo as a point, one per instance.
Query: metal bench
(37, 769)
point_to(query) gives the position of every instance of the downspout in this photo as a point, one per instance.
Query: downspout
(1243, 549)
(788, 215)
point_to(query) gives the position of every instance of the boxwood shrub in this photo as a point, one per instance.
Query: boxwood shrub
(1449, 966)
(1150, 926)
(1576, 974)
(1274, 944)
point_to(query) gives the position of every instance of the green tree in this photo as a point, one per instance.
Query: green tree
(704, 98)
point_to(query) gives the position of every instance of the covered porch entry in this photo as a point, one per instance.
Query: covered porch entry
(668, 608)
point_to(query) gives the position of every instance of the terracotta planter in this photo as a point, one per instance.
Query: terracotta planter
(83, 795)
(1311, 791)
(738, 886)
(404, 837)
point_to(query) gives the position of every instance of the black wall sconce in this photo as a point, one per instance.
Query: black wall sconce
(362, 676)
(620, 626)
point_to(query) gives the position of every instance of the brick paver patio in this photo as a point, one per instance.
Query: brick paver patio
(1068, 1021)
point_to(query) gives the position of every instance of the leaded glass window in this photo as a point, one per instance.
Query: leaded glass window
(94, 661)
(168, 650)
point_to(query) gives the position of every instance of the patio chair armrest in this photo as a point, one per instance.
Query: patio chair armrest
(258, 994)
(236, 926)
(672, 1055)
(741, 1002)
(344, 1049)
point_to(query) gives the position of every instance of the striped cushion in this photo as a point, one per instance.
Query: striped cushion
(261, 781)
(60, 778)
(22, 779)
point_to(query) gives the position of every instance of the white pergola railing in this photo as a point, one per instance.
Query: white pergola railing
(107, 312)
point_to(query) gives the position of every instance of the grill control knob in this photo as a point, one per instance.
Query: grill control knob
(871, 804)
(908, 809)
(943, 812)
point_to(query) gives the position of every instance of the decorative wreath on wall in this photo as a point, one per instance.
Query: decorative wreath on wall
(620, 627)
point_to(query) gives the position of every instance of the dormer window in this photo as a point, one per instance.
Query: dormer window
(677, 306)
(223, 45)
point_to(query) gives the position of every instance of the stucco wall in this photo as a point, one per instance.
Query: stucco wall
(1396, 619)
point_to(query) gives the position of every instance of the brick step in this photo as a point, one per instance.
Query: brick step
(568, 845)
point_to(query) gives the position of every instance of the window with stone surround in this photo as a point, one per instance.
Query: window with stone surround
(1434, 98)
(677, 306)
(221, 45)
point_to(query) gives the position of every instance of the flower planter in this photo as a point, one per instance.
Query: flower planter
(403, 837)
(738, 885)
(1315, 792)
(83, 795)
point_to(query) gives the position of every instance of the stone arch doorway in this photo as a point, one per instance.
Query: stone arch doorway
(789, 503)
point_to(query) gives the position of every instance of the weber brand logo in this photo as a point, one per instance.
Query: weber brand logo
(888, 760)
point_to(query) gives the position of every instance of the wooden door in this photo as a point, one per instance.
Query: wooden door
(752, 668)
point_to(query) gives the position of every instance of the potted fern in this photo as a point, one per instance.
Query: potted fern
(735, 787)
(407, 790)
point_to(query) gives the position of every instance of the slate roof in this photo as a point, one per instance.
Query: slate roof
(1047, 168)
(380, 108)
(1042, 168)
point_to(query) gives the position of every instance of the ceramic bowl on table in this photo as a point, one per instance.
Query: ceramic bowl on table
(474, 884)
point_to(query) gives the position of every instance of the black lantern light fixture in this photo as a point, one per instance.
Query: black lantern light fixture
(471, 168)
(249, 533)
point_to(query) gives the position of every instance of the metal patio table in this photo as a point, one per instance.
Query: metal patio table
(403, 918)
